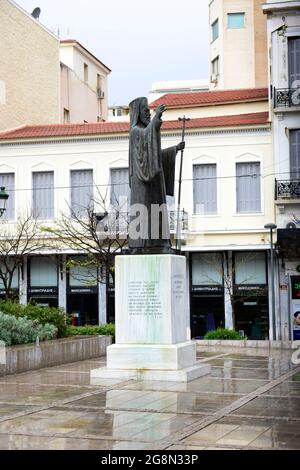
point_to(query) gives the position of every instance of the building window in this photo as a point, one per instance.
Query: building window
(81, 192)
(205, 189)
(120, 192)
(236, 20)
(215, 68)
(215, 30)
(7, 180)
(294, 61)
(250, 268)
(82, 273)
(43, 195)
(295, 154)
(66, 116)
(86, 73)
(207, 269)
(248, 187)
(43, 272)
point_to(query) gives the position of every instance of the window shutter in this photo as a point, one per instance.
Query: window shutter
(205, 189)
(248, 187)
(294, 61)
(120, 191)
(7, 180)
(43, 195)
(295, 154)
(81, 191)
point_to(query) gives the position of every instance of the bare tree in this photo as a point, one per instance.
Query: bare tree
(17, 241)
(97, 232)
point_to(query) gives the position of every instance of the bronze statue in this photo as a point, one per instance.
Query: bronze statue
(151, 179)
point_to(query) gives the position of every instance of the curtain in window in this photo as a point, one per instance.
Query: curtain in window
(248, 187)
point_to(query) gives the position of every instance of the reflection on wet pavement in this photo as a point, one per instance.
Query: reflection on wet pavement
(250, 400)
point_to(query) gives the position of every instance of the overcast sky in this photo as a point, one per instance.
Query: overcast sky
(142, 41)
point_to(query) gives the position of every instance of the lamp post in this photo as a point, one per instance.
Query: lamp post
(3, 199)
(272, 227)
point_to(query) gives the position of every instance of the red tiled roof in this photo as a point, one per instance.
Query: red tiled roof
(74, 41)
(205, 98)
(100, 128)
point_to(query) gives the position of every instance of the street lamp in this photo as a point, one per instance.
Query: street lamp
(3, 199)
(272, 227)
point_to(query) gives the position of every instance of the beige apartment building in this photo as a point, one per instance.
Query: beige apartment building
(29, 69)
(44, 80)
(238, 44)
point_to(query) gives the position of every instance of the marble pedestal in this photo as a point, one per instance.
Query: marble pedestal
(152, 322)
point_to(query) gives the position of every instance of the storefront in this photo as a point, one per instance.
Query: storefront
(250, 300)
(288, 244)
(82, 293)
(207, 293)
(14, 291)
(43, 281)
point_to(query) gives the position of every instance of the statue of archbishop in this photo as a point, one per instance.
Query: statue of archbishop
(151, 179)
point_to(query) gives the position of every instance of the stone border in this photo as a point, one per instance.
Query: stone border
(53, 353)
(246, 344)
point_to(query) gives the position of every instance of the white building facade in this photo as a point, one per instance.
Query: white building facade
(227, 199)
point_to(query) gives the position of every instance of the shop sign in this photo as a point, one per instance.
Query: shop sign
(208, 290)
(13, 291)
(83, 290)
(295, 280)
(42, 291)
(259, 289)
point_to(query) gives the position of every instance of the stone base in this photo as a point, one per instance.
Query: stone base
(152, 356)
(183, 375)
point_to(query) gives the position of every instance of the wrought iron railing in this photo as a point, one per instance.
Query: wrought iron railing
(286, 97)
(287, 189)
(118, 222)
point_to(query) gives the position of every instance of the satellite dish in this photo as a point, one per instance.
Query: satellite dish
(36, 13)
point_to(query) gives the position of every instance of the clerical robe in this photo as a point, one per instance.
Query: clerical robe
(151, 178)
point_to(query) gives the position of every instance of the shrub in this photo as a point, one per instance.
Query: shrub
(107, 329)
(45, 315)
(21, 330)
(223, 333)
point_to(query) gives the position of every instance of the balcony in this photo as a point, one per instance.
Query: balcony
(287, 189)
(286, 98)
(117, 222)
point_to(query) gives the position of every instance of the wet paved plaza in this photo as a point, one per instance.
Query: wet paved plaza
(251, 400)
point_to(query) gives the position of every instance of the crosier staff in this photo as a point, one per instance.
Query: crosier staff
(184, 120)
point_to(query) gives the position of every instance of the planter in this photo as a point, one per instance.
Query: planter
(52, 353)
(245, 344)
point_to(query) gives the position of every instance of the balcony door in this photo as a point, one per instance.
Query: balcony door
(294, 61)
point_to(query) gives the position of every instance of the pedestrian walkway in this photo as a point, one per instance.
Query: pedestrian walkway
(251, 400)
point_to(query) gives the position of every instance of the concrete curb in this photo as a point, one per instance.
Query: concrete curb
(53, 353)
(246, 344)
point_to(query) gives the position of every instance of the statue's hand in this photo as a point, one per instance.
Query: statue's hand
(180, 146)
(160, 110)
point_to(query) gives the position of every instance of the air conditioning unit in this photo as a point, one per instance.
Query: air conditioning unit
(100, 94)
